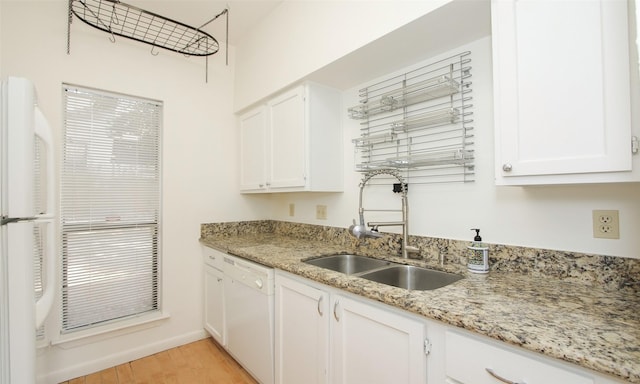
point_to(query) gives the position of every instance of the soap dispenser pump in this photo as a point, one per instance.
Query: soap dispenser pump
(478, 261)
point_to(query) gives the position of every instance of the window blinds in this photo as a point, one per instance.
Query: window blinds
(110, 207)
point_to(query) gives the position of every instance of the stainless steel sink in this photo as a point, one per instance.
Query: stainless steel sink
(348, 264)
(410, 277)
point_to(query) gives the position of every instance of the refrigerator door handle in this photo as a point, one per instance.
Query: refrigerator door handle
(43, 131)
(45, 302)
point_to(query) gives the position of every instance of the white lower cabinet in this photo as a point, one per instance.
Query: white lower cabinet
(350, 341)
(325, 335)
(371, 344)
(214, 295)
(302, 332)
(470, 359)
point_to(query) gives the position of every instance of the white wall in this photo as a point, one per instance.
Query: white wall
(199, 155)
(551, 217)
(300, 37)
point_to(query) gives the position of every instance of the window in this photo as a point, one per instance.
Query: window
(110, 207)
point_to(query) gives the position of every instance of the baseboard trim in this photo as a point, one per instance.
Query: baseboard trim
(122, 357)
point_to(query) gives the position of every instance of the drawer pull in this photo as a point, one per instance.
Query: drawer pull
(492, 373)
(319, 308)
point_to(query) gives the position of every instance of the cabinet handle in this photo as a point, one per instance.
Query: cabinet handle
(319, 308)
(219, 279)
(492, 373)
(507, 167)
(335, 309)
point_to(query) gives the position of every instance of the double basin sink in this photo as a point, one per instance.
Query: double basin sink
(386, 272)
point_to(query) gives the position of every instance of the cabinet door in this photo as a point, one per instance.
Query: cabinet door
(471, 361)
(561, 88)
(253, 150)
(372, 345)
(287, 167)
(214, 303)
(302, 333)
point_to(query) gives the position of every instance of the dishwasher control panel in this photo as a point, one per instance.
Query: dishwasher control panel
(251, 274)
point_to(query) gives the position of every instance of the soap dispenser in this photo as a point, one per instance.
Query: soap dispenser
(478, 261)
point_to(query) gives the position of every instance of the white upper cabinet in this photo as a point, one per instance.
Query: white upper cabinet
(561, 91)
(293, 142)
(253, 149)
(287, 165)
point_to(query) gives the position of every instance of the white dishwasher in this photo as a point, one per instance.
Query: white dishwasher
(248, 294)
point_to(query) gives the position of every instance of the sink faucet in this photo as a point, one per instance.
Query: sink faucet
(360, 230)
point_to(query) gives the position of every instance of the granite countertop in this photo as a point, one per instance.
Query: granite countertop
(595, 328)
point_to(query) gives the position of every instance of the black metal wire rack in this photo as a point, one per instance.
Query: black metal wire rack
(117, 18)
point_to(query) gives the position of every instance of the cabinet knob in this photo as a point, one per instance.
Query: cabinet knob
(507, 167)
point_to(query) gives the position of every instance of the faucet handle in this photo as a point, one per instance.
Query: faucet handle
(357, 231)
(361, 231)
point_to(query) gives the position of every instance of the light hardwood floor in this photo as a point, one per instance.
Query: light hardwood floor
(200, 362)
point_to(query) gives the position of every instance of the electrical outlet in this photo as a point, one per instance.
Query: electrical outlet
(292, 209)
(321, 212)
(606, 224)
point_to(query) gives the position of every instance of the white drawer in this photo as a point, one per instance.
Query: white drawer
(213, 257)
(469, 360)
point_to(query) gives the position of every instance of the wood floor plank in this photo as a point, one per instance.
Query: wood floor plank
(93, 378)
(183, 371)
(200, 362)
(125, 375)
(146, 370)
(109, 376)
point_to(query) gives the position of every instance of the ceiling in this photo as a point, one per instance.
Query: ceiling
(243, 14)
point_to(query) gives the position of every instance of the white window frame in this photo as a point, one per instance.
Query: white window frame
(124, 219)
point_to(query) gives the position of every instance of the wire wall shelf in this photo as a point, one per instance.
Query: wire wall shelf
(419, 123)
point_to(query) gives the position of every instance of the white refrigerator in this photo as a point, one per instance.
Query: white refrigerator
(27, 250)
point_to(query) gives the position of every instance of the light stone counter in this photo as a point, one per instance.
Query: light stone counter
(583, 323)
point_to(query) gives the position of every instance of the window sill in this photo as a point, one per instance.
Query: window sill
(115, 329)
